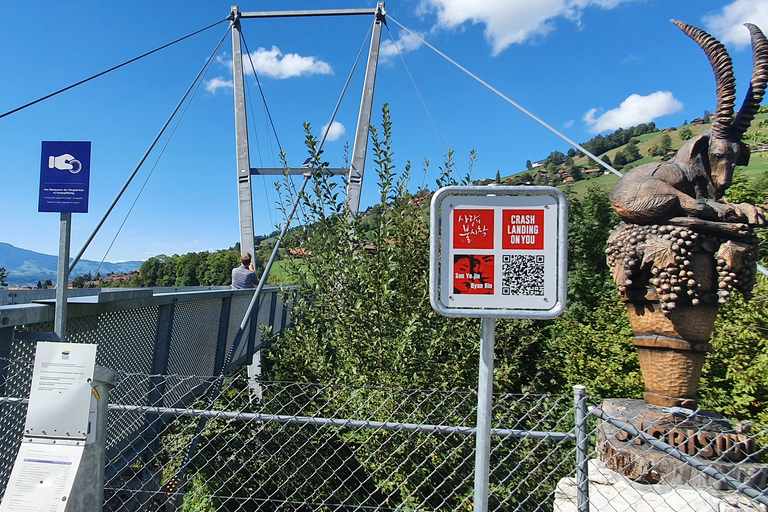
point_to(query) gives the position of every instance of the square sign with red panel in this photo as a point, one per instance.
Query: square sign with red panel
(499, 252)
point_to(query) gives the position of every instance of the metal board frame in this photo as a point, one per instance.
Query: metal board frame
(435, 251)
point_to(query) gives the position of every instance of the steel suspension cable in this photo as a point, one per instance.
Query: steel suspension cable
(510, 101)
(269, 117)
(266, 107)
(249, 112)
(108, 70)
(338, 104)
(157, 161)
(429, 114)
(146, 154)
(344, 89)
(263, 98)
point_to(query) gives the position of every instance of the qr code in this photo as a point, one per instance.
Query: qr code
(522, 274)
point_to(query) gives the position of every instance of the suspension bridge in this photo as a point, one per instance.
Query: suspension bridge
(175, 346)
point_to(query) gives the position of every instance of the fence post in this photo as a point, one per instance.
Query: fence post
(156, 395)
(582, 447)
(88, 490)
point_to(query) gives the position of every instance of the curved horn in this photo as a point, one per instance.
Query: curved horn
(723, 68)
(757, 86)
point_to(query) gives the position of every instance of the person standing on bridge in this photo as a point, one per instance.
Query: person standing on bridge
(244, 276)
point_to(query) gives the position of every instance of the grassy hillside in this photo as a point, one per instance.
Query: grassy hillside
(758, 162)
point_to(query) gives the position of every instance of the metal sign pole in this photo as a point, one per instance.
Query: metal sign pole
(62, 275)
(496, 253)
(484, 408)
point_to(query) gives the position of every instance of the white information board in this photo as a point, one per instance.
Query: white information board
(61, 405)
(60, 397)
(499, 252)
(42, 478)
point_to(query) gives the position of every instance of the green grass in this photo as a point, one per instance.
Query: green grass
(758, 163)
(579, 188)
(279, 273)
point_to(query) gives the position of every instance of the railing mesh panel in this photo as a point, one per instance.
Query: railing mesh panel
(193, 342)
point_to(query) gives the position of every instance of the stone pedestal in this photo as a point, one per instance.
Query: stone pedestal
(612, 492)
(707, 436)
(631, 476)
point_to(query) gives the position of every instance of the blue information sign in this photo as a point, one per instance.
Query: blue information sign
(65, 172)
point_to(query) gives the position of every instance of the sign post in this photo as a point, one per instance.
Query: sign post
(65, 172)
(496, 252)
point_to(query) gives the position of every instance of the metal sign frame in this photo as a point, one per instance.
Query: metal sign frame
(500, 197)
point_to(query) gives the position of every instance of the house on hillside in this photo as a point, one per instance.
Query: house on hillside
(697, 121)
(670, 130)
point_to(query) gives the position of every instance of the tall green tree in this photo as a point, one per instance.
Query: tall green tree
(3, 275)
(631, 151)
(218, 271)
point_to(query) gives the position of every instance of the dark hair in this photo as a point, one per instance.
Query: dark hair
(246, 259)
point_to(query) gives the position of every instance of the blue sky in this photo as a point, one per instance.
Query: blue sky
(583, 66)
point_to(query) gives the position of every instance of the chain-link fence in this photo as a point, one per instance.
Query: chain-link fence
(329, 447)
(309, 447)
(143, 332)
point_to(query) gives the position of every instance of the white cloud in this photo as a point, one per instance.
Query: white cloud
(274, 64)
(568, 124)
(507, 21)
(225, 60)
(337, 130)
(727, 25)
(407, 42)
(634, 110)
(214, 84)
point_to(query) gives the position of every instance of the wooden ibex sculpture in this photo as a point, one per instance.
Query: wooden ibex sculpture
(680, 251)
(686, 188)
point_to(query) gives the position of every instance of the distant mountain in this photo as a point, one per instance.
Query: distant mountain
(26, 268)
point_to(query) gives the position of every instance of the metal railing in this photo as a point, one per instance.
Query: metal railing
(139, 331)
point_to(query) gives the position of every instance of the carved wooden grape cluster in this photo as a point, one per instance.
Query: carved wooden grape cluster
(678, 263)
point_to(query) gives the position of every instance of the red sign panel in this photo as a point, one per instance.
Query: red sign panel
(473, 273)
(473, 229)
(522, 229)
